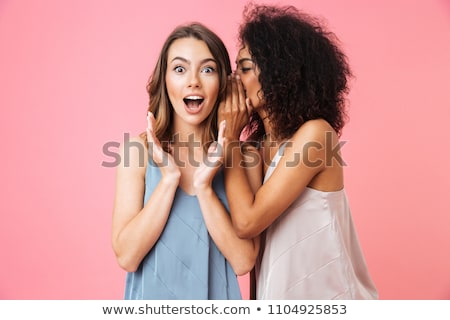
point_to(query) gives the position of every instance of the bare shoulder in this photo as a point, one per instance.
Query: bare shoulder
(314, 142)
(133, 153)
(140, 139)
(315, 131)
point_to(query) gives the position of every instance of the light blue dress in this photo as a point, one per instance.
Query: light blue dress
(185, 263)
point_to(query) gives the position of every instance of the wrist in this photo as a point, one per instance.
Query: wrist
(202, 188)
(171, 177)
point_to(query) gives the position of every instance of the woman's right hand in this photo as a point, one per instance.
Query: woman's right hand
(161, 158)
(234, 108)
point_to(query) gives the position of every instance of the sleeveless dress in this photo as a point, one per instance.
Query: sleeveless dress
(312, 251)
(185, 263)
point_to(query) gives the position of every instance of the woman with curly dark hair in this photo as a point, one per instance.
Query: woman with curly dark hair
(292, 81)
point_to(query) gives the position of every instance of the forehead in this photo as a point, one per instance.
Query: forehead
(189, 48)
(244, 52)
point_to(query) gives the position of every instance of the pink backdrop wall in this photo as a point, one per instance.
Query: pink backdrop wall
(72, 78)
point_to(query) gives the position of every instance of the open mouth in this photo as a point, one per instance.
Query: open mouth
(193, 102)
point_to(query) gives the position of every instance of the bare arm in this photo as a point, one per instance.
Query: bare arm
(301, 163)
(136, 228)
(304, 159)
(241, 253)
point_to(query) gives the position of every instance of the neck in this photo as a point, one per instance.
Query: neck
(268, 128)
(183, 132)
(187, 145)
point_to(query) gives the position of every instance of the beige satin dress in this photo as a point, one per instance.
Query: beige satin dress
(312, 251)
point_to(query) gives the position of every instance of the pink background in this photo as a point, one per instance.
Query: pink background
(72, 78)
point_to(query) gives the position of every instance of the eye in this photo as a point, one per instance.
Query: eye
(244, 70)
(179, 69)
(208, 70)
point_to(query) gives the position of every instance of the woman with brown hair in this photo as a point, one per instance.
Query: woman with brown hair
(171, 228)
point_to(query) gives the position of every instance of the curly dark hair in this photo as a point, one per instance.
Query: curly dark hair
(303, 72)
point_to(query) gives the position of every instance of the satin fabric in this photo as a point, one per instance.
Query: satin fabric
(312, 251)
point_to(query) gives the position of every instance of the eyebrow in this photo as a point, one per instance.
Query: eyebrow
(243, 60)
(187, 61)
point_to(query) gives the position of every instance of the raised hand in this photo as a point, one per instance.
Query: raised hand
(208, 168)
(234, 108)
(161, 158)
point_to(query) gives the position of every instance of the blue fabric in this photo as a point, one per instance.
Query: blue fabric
(185, 262)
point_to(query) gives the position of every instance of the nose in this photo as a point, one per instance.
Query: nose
(194, 80)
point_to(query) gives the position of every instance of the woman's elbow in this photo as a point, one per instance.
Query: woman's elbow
(124, 260)
(244, 267)
(242, 272)
(244, 230)
(126, 264)
(244, 261)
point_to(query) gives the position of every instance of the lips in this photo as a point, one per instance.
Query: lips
(193, 103)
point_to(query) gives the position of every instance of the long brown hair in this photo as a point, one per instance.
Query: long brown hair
(159, 103)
